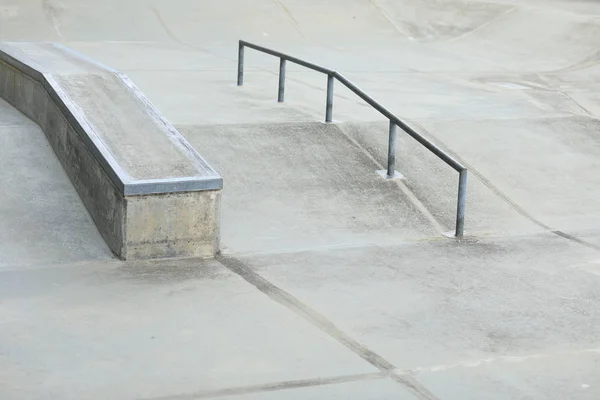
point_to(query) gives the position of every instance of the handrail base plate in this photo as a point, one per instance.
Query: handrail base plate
(384, 175)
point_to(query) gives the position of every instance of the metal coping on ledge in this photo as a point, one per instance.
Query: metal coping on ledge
(394, 120)
(175, 185)
(116, 174)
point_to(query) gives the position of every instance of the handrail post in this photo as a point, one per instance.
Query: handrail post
(280, 94)
(240, 75)
(462, 198)
(329, 103)
(391, 165)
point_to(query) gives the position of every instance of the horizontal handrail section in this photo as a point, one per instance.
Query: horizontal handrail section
(394, 121)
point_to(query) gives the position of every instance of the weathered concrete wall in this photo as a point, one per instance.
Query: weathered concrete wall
(153, 200)
(170, 225)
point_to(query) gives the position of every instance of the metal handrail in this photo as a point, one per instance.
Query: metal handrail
(394, 121)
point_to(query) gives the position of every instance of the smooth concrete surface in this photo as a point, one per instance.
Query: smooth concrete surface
(547, 166)
(152, 329)
(329, 307)
(42, 219)
(118, 151)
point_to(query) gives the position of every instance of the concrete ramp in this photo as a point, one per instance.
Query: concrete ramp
(293, 186)
(296, 186)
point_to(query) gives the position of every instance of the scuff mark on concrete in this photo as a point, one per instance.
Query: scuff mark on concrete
(502, 359)
(53, 10)
(290, 16)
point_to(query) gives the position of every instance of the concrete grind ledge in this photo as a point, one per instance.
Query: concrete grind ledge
(150, 194)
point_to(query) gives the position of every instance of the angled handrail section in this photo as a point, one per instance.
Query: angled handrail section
(394, 120)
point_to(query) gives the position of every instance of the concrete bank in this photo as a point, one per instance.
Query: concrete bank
(150, 194)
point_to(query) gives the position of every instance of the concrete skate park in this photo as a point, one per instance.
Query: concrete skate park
(168, 234)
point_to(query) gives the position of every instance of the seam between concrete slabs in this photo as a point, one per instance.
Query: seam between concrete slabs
(113, 262)
(319, 321)
(274, 386)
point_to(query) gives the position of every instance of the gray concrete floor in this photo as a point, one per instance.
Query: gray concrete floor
(42, 219)
(333, 283)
